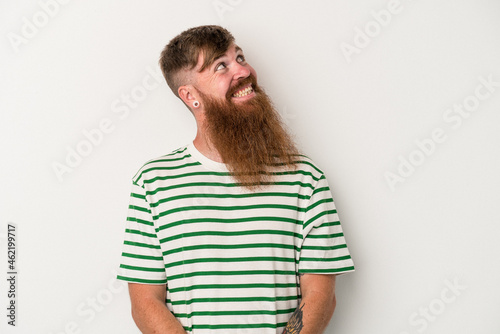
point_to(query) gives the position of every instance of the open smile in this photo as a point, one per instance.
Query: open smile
(244, 91)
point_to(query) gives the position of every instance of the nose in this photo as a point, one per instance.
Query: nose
(240, 71)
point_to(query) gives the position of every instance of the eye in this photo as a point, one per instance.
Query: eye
(240, 58)
(220, 66)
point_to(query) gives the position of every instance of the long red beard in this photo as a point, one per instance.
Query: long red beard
(249, 137)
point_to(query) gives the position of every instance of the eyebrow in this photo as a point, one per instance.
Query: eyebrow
(236, 48)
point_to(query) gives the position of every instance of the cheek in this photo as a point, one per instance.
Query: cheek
(216, 90)
(223, 86)
(252, 71)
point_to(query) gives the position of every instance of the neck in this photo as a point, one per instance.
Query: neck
(205, 147)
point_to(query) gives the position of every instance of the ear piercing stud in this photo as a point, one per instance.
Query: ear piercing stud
(196, 104)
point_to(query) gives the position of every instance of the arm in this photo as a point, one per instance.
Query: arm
(149, 311)
(317, 305)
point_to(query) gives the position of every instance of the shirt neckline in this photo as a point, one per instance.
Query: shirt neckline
(206, 162)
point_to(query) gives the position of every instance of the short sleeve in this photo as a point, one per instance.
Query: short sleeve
(324, 249)
(141, 260)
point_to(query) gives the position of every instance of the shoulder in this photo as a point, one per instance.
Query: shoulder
(170, 161)
(306, 164)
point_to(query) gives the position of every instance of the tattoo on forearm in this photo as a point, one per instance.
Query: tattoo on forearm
(295, 324)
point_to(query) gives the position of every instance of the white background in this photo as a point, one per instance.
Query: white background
(356, 115)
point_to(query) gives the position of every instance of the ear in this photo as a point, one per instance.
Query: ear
(187, 93)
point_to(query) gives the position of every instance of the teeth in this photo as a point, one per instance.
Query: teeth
(243, 92)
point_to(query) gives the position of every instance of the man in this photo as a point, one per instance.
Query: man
(236, 232)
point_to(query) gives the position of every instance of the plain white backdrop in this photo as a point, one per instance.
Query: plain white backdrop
(397, 101)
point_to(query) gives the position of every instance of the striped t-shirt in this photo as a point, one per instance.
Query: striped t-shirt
(230, 256)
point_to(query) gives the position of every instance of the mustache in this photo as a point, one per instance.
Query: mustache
(242, 83)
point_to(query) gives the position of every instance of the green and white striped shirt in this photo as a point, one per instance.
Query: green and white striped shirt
(230, 257)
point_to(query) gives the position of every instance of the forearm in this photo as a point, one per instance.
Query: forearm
(149, 311)
(312, 316)
(317, 305)
(154, 317)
